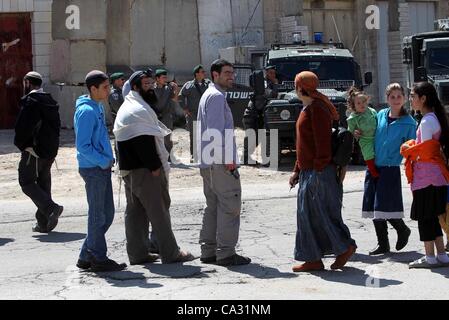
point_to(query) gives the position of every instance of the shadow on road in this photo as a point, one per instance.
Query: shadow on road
(405, 257)
(5, 241)
(442, 271)
(127, 279)
(357, 277)
(400, 257)
(262, 272)
(177, 271)
(60, 237)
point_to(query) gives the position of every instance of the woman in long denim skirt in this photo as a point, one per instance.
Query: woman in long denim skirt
(321, 230)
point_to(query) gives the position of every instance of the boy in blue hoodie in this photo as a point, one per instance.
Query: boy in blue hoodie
(95, 159)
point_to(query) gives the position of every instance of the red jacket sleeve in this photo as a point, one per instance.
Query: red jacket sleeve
(322, 134)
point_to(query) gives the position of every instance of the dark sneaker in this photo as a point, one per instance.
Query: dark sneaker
(209, 260)
(151, 258)
(39, 229)
(234, 260)
(380, 249)
(53, 218)
(83, 265)
(107, 266)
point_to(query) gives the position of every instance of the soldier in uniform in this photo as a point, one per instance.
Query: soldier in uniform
(116, 97)
(189, 100)
(253, 118)
(271, 86)
(165, 93)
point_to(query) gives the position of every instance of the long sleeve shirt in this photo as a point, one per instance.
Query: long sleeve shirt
(215, 130)
(313, 138)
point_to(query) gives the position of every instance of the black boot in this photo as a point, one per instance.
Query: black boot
(383, 245)
(403, 233)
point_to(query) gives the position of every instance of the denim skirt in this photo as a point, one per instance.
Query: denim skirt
(321, 230)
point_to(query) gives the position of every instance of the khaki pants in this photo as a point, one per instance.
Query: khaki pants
(221, 222)
(148, 200)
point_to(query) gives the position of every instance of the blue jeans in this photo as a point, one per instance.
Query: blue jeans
(101, 212)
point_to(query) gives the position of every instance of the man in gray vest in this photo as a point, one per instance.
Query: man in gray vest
(189, 100)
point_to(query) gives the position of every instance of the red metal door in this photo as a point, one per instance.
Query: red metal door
(15, 61)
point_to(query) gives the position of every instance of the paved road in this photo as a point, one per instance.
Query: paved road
(42, 266)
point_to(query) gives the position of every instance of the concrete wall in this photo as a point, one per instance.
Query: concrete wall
(273, 11)
(93, 20)
(320, 18)
(76, 52)
(165, 33)
(41, 29)
(222, 24)
(118, 39)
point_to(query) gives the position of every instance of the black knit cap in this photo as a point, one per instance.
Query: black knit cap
(95, 78)
(136, 76)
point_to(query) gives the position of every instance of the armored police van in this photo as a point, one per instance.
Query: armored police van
(427, 58)
(337, 70)
(239, 95)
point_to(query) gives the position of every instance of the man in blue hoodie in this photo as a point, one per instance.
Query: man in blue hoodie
(95, 159)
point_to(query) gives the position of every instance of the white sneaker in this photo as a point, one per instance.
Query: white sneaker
(423, 264)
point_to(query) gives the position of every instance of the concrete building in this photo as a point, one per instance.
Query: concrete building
(129, 34)
(377, 50)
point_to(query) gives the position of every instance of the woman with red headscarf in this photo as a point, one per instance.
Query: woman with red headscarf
(321, 230)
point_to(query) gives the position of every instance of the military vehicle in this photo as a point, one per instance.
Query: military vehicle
(337, 70)
(427, 58)
(239, 95)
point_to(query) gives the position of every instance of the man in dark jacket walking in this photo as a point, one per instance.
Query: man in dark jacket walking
(37, 136)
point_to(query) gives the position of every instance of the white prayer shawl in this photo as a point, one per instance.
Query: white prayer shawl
(136, 118)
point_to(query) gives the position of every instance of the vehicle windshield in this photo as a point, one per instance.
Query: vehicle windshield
(242, 76)
(438, 60)
(335, 69)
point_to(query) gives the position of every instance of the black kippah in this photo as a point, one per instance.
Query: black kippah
(96, 77)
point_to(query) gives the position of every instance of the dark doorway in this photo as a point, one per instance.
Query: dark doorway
(15, 61)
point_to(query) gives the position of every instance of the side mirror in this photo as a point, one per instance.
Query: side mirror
(257, 82)
(368, 78)
(421, 73)
(407, 55)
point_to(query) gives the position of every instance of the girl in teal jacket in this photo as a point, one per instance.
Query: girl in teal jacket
(382, 199)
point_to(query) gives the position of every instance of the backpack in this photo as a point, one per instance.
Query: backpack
(342, 144)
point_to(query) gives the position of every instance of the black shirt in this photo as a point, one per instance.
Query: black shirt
(139, 153)
(38, 125)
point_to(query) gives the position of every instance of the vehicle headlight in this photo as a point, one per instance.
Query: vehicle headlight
(285, 115)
